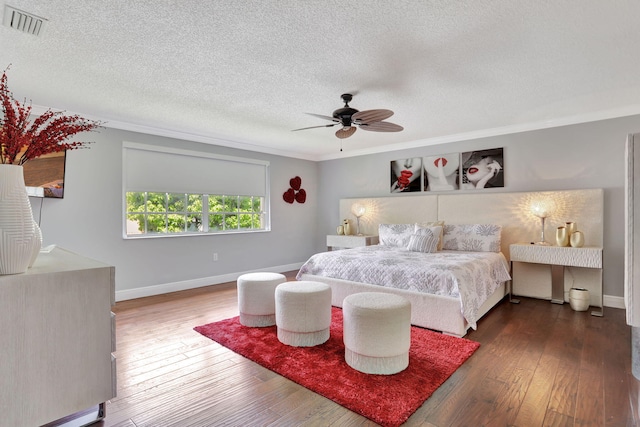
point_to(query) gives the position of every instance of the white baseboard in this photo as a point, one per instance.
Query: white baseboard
(166, 288)
(613, 302)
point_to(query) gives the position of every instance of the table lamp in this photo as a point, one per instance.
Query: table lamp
(358, 210)
(542, 209)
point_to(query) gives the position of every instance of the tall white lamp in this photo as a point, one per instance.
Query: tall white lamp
(358, 210)
(542, 209)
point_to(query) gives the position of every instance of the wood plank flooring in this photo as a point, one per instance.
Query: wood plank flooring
(540, 364)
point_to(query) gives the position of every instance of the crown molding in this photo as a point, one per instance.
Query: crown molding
(252, 146)
(631, 110)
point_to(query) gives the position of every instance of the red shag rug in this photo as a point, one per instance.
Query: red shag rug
(386, 399)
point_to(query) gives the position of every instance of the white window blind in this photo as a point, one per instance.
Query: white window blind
(162, 169)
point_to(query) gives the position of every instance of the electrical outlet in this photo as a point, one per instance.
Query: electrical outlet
(215, 256)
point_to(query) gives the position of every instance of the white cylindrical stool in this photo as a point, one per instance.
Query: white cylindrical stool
(303, 313)
(377, 332)
(256, 301)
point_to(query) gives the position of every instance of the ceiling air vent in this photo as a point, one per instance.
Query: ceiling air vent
(23, 21)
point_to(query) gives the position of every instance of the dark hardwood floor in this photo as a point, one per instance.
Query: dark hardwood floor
(540, 364)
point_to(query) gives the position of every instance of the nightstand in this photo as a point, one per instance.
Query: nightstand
(351, 241)
(559, 257)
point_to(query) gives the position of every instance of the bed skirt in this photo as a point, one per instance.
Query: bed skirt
(437, 312)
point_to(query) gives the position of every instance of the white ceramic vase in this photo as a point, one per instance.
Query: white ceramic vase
(579, 299)
(37, 246)
(18, 235)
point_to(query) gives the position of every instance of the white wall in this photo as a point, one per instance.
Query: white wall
(580, 156)
(88, 221)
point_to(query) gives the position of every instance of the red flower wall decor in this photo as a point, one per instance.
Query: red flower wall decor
(295, 193)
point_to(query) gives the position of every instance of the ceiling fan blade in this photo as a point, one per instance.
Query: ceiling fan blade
(345, 132)
(313, 127)
(381, 127)
(333, 119)
(369, 116)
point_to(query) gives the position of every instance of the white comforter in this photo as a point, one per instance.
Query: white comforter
(470, 276)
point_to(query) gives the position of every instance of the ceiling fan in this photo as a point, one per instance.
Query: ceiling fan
(349, 118)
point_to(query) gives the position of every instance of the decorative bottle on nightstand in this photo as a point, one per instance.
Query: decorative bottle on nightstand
(562, 238)
(347, 227)
(577, 239)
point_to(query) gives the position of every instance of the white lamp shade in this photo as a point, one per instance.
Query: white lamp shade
(542, 208)
(358, 210)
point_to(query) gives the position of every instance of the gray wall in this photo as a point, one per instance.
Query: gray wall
(89, 219)
(580, 156)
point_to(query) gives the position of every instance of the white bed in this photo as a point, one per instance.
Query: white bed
(511, 211)
(468, 278)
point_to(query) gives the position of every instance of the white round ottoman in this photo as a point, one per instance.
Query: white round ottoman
(377, 332)
(303, 313)
(256, 301)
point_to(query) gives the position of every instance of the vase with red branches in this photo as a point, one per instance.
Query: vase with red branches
(23, 139)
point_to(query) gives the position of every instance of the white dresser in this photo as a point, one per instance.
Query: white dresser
(57, 340)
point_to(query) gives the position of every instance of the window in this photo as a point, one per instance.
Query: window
(178, 192)
(170, 213)
(235, 213)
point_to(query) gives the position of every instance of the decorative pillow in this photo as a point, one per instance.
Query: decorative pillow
(423, 243)
(432, 224)
(395, 234)
(472, 237)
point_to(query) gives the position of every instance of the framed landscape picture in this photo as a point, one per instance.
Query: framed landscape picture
(44, 175)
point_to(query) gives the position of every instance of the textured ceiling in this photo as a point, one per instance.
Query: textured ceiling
(245, 72)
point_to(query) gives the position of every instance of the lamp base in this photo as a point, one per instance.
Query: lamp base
(543, 244)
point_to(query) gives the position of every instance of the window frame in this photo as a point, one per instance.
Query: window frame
(264, 213)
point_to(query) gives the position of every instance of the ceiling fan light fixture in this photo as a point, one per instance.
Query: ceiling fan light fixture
(345, 132)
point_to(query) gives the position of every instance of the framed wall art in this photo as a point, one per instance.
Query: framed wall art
(44, 175)
(482, 169)
(441, 172)
(406, 175)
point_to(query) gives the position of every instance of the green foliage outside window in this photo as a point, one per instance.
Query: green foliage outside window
(173, 213)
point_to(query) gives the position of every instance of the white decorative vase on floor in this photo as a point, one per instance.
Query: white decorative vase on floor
(18, 235)
(579, 299)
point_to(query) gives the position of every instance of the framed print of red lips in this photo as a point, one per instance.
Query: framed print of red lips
(441, 172)
(473, 170)
(482, 169)
(406, 175)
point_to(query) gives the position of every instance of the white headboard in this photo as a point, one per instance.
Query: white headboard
(510, 210)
